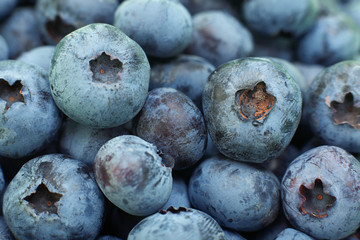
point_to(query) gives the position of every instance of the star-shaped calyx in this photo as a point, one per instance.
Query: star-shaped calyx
(43, 200)
(314, 201)
(11, 93)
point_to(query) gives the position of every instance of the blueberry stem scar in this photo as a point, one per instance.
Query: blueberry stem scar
(11, 94)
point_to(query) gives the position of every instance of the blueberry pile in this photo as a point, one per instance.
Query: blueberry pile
(179, 119)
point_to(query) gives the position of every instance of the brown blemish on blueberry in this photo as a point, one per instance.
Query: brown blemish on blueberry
(345, 112)
(43, 200)
(106, 69)
(254, 104)
(11, 94)
(58, 28)
(315, 201)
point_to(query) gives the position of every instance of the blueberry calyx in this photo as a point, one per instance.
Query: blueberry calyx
(106, 69)
(11, 93)
(255, 104)
(314, 201)
(345, 112)
(58, 28)
(43, 200)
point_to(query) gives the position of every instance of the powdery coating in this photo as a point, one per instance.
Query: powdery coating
(219, 37)
(290, 233)
(130, 173)
(78, 213)
(250, 140)
(339, 173)
(139, 19)
(172, 122)
(332, 38)
(94, 103)
(177, 224)
(330, 86)
(40, 56)
(237, 195)
(57, 18)
(27, 127)
(4, 49)
(273, 17)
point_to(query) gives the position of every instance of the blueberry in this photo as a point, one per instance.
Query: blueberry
(108, 237)
(58, 18)
(219, 37)
(4, 49)
(279, 47)
(177, 224)
(240, 196)
(172, 122)
(179, 194)
(309, 72)
(54, 197)
(290, 233)
(232, 235)
(40, 56)
(99, 77)
(6, 7)
(252, 108)
(139, 19)
(132, 176)
(5, 233)
(30, 119)
(333, 105)
(196, 6)
(320, 191)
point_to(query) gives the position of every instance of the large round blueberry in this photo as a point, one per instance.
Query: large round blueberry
(163, 28)
(320, 193)
(252, 108)
(334, 105)
(177, 224)
(172, 122)
(239, 196)
(30, 119)
(132, 176)
(40, 56)
(53, 197)
(99, 77)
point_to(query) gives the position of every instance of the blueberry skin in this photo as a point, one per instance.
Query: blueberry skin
(99, 77)
(21, 31)
(53, 196)
(131, 174)
(235, 129)
(337, 174)
(292, 234)
(239, 196)
(333, 38)
(32, 121)
(186, 73)
(177, 224)
(274, 17)
(40, 56)
(172, 122)
(6, 6)
(179, 195)
(5, 233)
(219, 37)
(4, 49)
(196, 6)
(333, 103)
(57, 18)
(232, 235)
(139, 19)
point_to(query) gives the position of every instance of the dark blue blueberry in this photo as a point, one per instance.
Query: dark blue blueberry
(4, 49)
(21, 31)
(172, 122)
(309, 72)
(240, 196)
(30, 119)
(40, 56)
(252, 108)
(219, 37)
(140, 19)
(132, 176)
(6, 7)
(108, 237)
(320, 191)
(333, 107)
(292, 234)
(99, 77)
(232, 235)
(279, 47)
(58, 18)
(186, 73)
(179, 194)
(54, 197)
(177, 224)
(196, 6)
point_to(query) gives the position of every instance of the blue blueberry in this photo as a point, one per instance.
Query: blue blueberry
(333, 105)
(108, 237)
(320, 193)
(132, 176)
(40, 56)
(6, 7)
(196, 6)
(179, 194)
(5, 233)
(140, 19)
(219, 37)
(55, 197)
(278, 47)
(252, 108)
(99, 77)
(177, 224)
(172, 122)
(232, 235)
(57, 18)
(292, 234)
(4, 49)
(30, 119)
(240, 196)
(309, 72)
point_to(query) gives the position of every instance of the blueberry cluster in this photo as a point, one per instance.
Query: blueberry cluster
(179, 119)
